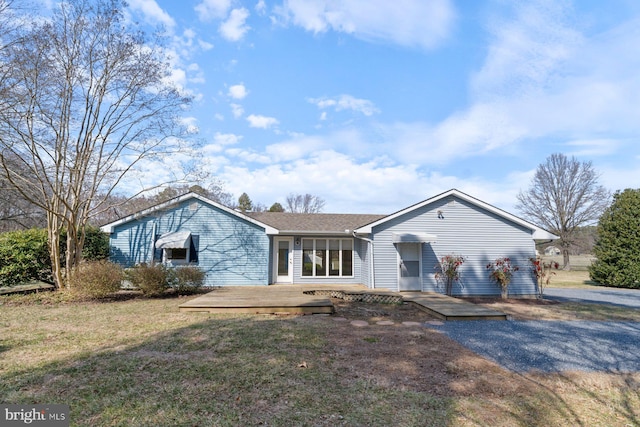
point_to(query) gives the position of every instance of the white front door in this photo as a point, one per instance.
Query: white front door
(409, 271)
(283, 260)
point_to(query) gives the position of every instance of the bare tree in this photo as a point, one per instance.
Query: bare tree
(86, 101)
(563, 196)
(306, 203)
(16, 212)
(117, 206)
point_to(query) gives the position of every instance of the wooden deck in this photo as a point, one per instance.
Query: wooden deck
(448, 308)
(292, 299)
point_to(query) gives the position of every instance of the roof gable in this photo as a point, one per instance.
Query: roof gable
(108, 228)
(536, 232)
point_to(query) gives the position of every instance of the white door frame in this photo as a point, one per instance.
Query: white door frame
(276, 254)
(399, 248)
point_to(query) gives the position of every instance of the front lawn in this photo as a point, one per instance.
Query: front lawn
(142, 362)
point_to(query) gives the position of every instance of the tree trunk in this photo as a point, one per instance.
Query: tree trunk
(53, 232)
(449, 287)
(75, 243)
(504, 292)
(565, 259)
(70, 254)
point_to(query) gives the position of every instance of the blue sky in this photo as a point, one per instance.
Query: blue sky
(374, 105)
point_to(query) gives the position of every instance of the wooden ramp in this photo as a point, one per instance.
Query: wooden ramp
(295, 299)
(449, 308)
(274, 299)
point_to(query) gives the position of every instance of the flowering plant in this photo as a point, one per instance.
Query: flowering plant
(542, 272)
(447, 270)
(501, 271)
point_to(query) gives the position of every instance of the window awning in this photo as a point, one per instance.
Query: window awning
(177, 239)
(414, 238)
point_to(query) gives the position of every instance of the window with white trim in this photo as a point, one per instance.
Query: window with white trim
(327, 257)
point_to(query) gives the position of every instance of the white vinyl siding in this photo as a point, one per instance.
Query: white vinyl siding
(462, 228)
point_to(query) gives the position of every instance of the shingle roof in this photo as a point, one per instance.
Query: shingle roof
(313, 223)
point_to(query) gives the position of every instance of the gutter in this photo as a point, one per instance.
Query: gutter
(314, 233)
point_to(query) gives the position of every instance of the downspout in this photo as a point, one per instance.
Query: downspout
(372, 272)
(153, 243)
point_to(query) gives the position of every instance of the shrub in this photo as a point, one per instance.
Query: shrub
(96, 279)
(96, 244)
(187, 280)
(24, 256)
(447, 271)
(542, 271)
(501, 271)
(151, 279)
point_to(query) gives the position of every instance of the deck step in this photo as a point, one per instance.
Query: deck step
(449, 308)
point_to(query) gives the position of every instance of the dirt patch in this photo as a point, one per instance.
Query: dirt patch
(379, 312)
(413, 357)
(410, 356)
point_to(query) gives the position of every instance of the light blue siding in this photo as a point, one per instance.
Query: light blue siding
(365, 254)
(230, 250)
(464, 229)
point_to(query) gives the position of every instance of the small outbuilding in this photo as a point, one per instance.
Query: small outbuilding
(552, 251)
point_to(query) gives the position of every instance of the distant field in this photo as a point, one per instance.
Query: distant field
(578, 262)
(578, 276)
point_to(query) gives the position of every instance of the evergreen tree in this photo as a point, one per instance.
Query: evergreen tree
(244, 203)
(276, 207)
(617, 247)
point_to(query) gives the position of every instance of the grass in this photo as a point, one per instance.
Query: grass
(577, 277)
(572, 279)
(142, 362)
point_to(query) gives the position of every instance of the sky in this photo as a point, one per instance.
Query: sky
(374, 105)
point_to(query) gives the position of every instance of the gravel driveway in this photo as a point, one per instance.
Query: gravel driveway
(551, 346)
(621, 297)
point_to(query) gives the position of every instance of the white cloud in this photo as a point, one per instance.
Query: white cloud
(405, 22)
(152, 11)
(527, 50)
(235, 27)
(237, 110)
(191, 124)
(593, 147)
(296, 148)
(226, 138)
(204, 45)
(238, 91)
(348, 185)
(262, 122)
(261, 7)
(208, 10)
(221, 141)
(247, 156)
(541, 81)
(346, 102)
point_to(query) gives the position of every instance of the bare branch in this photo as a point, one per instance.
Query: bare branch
(304, 203)
(563, 196)
(86, 100)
